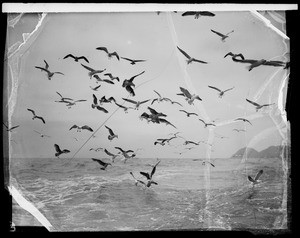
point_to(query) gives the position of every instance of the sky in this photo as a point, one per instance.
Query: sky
(153, 38)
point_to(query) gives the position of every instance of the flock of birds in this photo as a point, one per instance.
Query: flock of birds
(151, 115)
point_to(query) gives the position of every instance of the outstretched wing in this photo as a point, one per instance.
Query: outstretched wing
(82, 57)
(154, 169)
(118, 148)
(200, 61)
(146, 175)
(215, 88)
(99, 161)
(184, 53)
(189, 13)
(218, 33)
(102, 109)
(14, 127)
(258, 175)
(157, 93)
(206, 13)
(109, 130)
(56, 146)
(46, 64)
(251, 179)
(88, 68)
(228, 89)
(72, 127)
(144, 101)
(87, 128)
(70, 55)
(129, 100)
(119, 105)
(102, 48)
(95, 100)
(127, 59)
(253, 103)
(185, 92)
(42, 119)
(46, 70)
(230, 53)
(116, 54)
(108, 153)
(31, 111)
(5, 125)
(132, 78)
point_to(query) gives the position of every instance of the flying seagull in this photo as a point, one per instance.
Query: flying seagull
(243, 119)
(137, 103)
(102, 80)
(235, 55)
(112, 77)
(95, 88)
(204, 162)
(103, 164)
(113, 156)
(149, 176)
(198, 14)
(97, 149)
(159, 99)
(154, 114)
(188, 114)
(221, 92)
(190, 142)
(59, 151)
(125, 153)
(46, 69)
(41, 135)
(188, 96)
(206, 124)
(92, 71)
(111, 135)
(128, 84)
(223, 37)
(137, 181)
(110, 55)
(123, 107)
(10, 129)
(105, 100)
(70, 104)
(96, 105)
(76, 58)
(255, 180)
(132, 61)
(35, 116)
(64, 99)
(189, 58)
(258, 106)
(79, 128)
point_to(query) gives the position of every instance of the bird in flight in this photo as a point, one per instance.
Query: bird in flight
(111, 135)
(41, 134)
(10, 129)
(188, 114)
(79, 128)
(206, 124)
(64, 99)
(59, 151)
(102, 80)
(95, 88)
(198, 14)
(73, 103)
(137, 181)
(105, 100)
(125, 153)
(255, 180)
(258, 106)
(221, 92)
(159, 99)
(243, 119)
(123, 107)
(149, 176)
(102, 163)
(96, 105)
(92, 71)
(113, 156)
(190, 142)
(223, 37)
(137, 103)
(109, 54)
(112, 77)
(46, 69)
(234, 56)
(128, 84)
(189, 58)
(204, 162)
(188, 96)
(76, 58)
(97, 149)
(238, 130)
(35, 116)
(132, 61)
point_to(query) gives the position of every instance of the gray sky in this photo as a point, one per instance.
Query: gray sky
(149, 36)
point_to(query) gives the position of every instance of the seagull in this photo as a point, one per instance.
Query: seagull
(234, 56)
(59, 151)
(35, 116)
(108, 53)
(162, 143)
(111, 135)
(159, 99)
(103, 164)
(97, 149)
(95, 88)
(258, 106)
(128, 84)
(10, 129)
(189, 58)
(137, 103)
(102, 80)
(70, 104)
(125, 153)
(42, 135)
(133, 62)
(223, 37)
(76, 58)
(92, 71)
(188, 114)
(46, 69)
(123, 107)
(137, 181)
(112, 77)
(206, 124)
(238, 130)
(188, 96)
(149, 176)
(204, 162)
(95, 105)
(243, 119)
(221, 93)
(113, 156)
(198, 14)
(79, 128)
(190, 142)
(64, 99)
(104, 100)
(255, 180)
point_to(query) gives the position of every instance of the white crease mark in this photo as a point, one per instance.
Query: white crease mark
(14, 21)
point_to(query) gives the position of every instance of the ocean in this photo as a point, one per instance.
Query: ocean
(78, 196)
